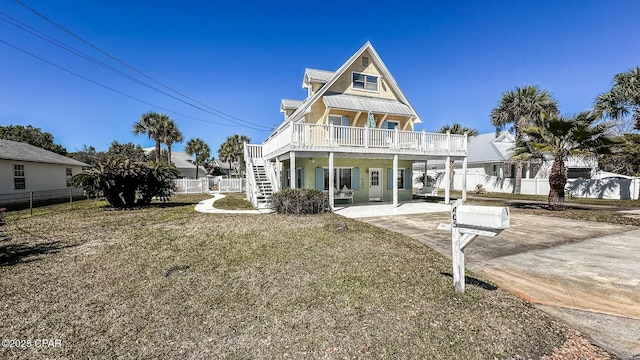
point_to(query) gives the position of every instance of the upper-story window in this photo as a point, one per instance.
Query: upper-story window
(364, 81)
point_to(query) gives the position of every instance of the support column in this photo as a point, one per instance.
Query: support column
(395, 180)
(331, 182)
(292, 170)
(278, 172)
(447, 171)
(464, 179)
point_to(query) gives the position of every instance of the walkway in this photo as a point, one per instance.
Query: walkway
(206, 206)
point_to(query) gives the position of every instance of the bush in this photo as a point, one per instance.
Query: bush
(480, 189)
(300, 202)
(126, 183)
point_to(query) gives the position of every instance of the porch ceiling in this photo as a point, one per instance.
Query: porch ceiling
(382, 156)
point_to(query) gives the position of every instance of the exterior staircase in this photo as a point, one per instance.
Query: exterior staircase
(264, 186)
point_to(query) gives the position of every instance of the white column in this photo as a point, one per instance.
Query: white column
(464, 179)
(278, 171)
(395, 180)
(447, 171)
(292, 170)
(331, 182)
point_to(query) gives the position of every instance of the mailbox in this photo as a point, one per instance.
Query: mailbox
(494, 217)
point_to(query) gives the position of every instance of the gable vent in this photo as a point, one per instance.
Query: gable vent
(365, 61)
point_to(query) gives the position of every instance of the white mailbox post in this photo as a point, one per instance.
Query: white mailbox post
(467, 222)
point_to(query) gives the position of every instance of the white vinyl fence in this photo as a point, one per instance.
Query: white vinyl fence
(609, 188)
(207, 184)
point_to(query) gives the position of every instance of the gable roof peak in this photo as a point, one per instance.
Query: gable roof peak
(375, 58)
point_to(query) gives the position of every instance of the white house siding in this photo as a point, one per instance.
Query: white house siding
(38, 176)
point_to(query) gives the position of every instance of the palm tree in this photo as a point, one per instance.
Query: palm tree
(232, 150)
(200, 149)
(457, 129)
(151, 123)
(521, 108)
(171, 135)
(559, 137)
(623, 98)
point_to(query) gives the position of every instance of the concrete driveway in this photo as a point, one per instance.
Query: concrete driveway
(585, 273)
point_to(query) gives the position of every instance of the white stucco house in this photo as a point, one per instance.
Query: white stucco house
(26, 168)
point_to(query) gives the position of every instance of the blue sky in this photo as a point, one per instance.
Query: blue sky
(453, 60)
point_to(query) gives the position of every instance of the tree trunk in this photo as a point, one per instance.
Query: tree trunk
(518, 176)
(557, 182)
(169, 155)
(197, 167)
(157, 152)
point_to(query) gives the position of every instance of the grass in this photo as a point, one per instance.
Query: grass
(167, 282)
(233, 201)
(597, 210)
(568, 200)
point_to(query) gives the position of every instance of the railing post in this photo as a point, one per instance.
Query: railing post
(448, 142)
(366, 137)
(424, 142)
(396, 138)
(331, 135)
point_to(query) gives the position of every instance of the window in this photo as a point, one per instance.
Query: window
(390, 125)
(337, 120)
(69, 174)
(300, 178)
(401, 178)
(341, 177)
(19, 182)
(365, 82)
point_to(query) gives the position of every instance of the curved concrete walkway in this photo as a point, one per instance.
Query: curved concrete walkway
(206, 206)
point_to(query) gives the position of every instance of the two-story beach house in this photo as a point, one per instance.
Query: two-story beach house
(353, 136)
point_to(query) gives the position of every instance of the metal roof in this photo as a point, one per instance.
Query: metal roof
(489, 148)
(362, 103)
(289, 104)
(19, 151)
(318, 75)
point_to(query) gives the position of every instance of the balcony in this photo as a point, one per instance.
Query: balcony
(347, 139)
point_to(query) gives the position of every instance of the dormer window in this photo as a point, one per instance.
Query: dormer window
(365, 82)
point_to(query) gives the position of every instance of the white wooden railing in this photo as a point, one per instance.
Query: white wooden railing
(364, 140)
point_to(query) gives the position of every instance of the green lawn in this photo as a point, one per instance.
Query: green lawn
(167, 282)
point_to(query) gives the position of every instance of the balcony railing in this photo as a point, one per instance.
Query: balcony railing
(314, 137)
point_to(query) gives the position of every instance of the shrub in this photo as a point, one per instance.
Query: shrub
(480, 189)
(2, 218)
(300, 202)
(426, 180)
(127, 183)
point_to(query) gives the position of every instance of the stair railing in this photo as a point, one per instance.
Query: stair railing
(271, 174)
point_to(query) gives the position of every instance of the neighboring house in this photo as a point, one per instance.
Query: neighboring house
(26, 168)
(183, 162)
(224, 166)
(492, 154)
(352, 136)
